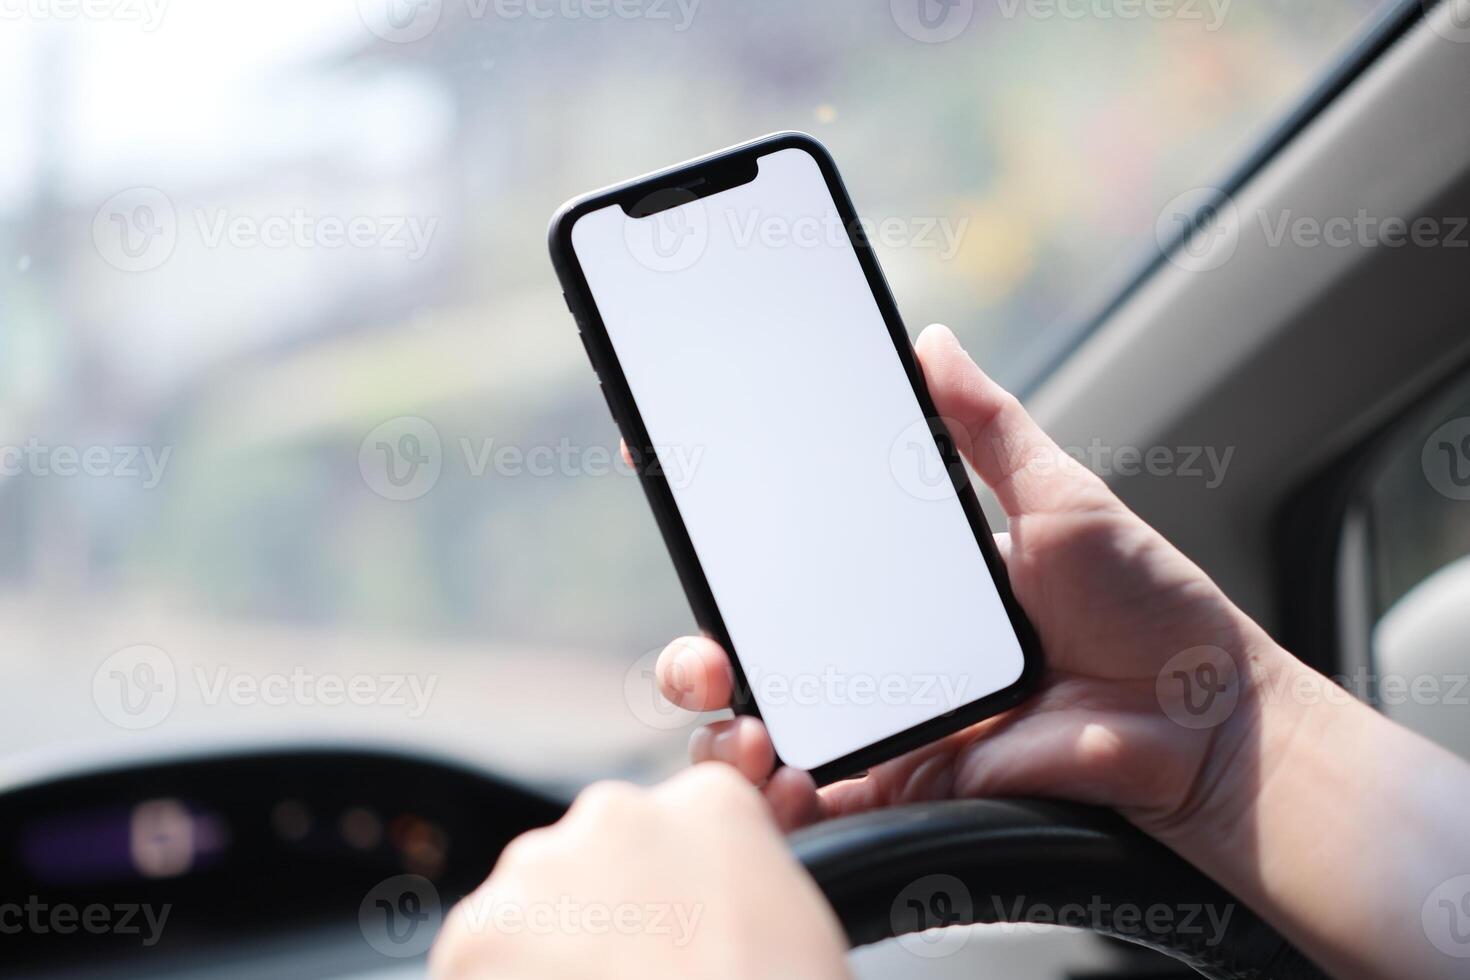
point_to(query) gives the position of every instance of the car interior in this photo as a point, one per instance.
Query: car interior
(1305, 391)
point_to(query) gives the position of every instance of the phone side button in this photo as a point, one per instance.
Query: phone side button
(577, 317)
(607, 401)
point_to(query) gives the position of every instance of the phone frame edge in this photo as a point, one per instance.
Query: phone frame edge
(660, 496)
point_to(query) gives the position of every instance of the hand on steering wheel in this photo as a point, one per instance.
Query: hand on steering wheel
(1160, 701)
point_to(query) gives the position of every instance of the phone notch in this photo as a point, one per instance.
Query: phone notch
(687, 186)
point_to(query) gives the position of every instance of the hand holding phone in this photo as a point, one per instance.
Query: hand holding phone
(821, 522)
(1123, 616)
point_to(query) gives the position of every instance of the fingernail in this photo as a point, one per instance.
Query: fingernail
(726, 743)
(681, 670)
(699, 744)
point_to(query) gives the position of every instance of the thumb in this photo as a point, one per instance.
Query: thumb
(1026, 470)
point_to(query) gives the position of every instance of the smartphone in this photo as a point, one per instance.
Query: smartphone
(818, 514)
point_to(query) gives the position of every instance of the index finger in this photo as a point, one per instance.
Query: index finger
(694, 673)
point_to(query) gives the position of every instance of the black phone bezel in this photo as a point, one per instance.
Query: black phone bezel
(699, 178)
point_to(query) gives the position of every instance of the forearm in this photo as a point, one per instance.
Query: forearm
(1340, 827)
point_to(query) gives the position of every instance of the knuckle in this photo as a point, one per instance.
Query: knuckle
(526, 850)
(606, 798)
(721, 785)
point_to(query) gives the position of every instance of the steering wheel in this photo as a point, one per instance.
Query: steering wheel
(906, 869)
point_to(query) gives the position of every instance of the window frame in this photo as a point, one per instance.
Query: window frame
(1323, 534)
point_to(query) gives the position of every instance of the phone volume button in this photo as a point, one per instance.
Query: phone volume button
(577, 317)
(607, 401)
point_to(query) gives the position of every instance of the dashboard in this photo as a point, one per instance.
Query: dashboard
(288, 864)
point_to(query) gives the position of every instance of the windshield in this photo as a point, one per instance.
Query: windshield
(297, 437)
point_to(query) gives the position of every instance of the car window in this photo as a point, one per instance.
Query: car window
(1417, 505)
(295, 433)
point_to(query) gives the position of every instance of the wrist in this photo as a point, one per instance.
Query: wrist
(1271, 728)
(1299, 791)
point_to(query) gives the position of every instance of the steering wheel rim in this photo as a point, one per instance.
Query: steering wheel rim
(900, 870)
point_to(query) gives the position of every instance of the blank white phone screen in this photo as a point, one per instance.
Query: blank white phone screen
(847, 574)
